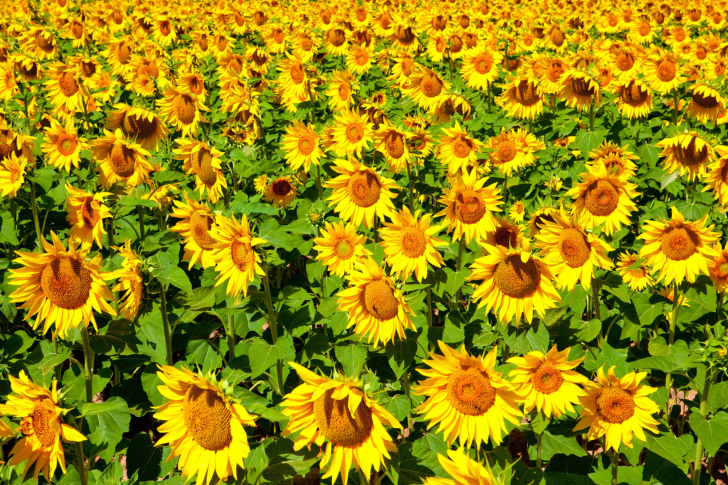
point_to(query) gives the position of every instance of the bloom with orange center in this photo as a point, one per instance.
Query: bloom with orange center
(392, 143)
(342, 86)
(508, 152)
(60, 287)
(426, 88)
(706, 103)
(293, 79)
(678, 249)
(410, 244)
(359, 60)
(340, 248)
(522, 98)
(360, 193)
(580, 90)
(130, 281)
(86, 214)
(195, 227)
(205, 163)
(663, 72)
(548, 381)
(688, 152)
(301, 146)
(236, 260)
(457, 150)
(65, 90)
(506, 234)
(120, 160)
(182, 110)
(12, 175)
(63, 145)
(517, 211)
(467, 397)
(138, 124)
(40, 43)
(617, 408)
(634, 273)
(469, 206)
(377, 309)
(352, 132)
(633, 98)
(480, 68)
(281, 192)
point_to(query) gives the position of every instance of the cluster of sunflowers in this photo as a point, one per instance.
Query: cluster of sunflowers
(352, 187)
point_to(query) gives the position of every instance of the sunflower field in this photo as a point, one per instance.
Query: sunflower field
(296, 242)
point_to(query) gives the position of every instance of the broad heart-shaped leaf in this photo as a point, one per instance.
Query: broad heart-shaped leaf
(628, 475)
(608, 357)
(408, 469)
(554, 444)
(670, 447)
(648, 307)
(399, 406)
(587, 141)
(177, 277)
(262, 356)
(7, 228)
(702, 292)
(659, 346)
(718, 398)
(351, 357)
(666, 363)
(401, 353)
(202, 354)
(692, 210)
(144, 458)
(713, 433)
(106, 421)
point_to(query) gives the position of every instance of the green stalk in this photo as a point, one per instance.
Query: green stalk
(110, 234)
(88, 370)
(231, 338)
(488, 98)
(406, 388)
(674, 107)
(595, 298)
(35, 214)
(273, 323)
(411, 190)
(140, 209)
(709, 378)
(505, 187)
(615, 467)
(591, 115)
(671, 340)
(165, 324)
(80, 463)
(538, 450)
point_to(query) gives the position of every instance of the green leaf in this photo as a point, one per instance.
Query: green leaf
(107, 421)
(43, 177)
(201, 353)
(51, 361)
(554, 444)
(178, 278)
(669, 447)
(587, 141)
(262, 357)
(538, 339)
(144, 458)
(136, 201)
(7, 230)
(401, 354)
(628, 475)
(659, 346)
(351, 357)
(399, 406)
(648, 308)
(712, 432)
(586, 331)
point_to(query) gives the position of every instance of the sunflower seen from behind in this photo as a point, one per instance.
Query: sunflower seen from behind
(195, 227)
(203, 425)
(340, 248)
(63, 146)
(466, 397)
(377, 308)
(86, 214)
(469, 206)
(410, 244)
(618, 409)
(343, 419)
(234, 253)
(41, 423)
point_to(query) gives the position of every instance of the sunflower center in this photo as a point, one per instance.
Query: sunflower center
(361, 58)
(581, 86)
(207, 418)
(556, 69)
(77, 30)
(138, 126)
(469, 207)
(379, 300)
(644, 29)
(407, 66)
(201, 161)
(297, 73)
(124, 53)
(281, 187)
(66, 282)
(242, 254)
(344, 249)
(666, 71)
(516, 278)
(66, 144)
(338, 424)
(306, 144)
(615, 405)
(633, 94)
(470, 391)
(462, 148)
(430, 85)
(44, 41)
(89, 214)
(527, 94)
(574, 247)
(679, 243)
(707, 101)
(42, 428)
(354, 132)
(721, 270)
(200, 225)
(601, 198)
(547, 379)
(689, 155)
(337, 37)
(413, 242)
(306, 43)
(724, 173)
(344, 91)
(122, 160)
(184, 107)
(364, 189)
(506, 237)
(557, 37)
(625, 61)
(395, 144)
(67, 84)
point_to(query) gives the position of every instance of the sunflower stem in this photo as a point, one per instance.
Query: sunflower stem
(615, 466)
(88, 370)
(538, 450)
(319, 186)
(429, 312)
(231, 338)
(165, 324)
(80, 463)
(406, 388)
(697, 469)
(461, 246)
(273, 324)
(140, 209)
(110, 233)
(674, 106)
(411, 190)
(34, 206)
(591, 115)
(595, 300)
(488, 98)
(671, 340)
(505, 187)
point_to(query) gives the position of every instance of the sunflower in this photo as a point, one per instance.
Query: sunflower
(678, 249)
(281, 192)
(522, 98)
(410, 244)
(183, 110)
(203, 425)
(457, 150)
(42, 427)
(342, 86)
(617, 408)
(130, 281)
(634, 98)
(448, 106)
(426, 88)
(509, 153)
(376, 307)
(463, 470)
(196, 227)
(641, 31)
(580, 89)
(392, 143)
(514, 282)
(340, 248)
(205, 162)
(635, 275)
(469, 206)
(718, 268)
(138, 124)
(687, 152)
(65, 89)
(360, 193)
(506, 234)
(234, 253)
(352, 132)
(63, 145)
(717, 179)
(118, 54)
(40, 43)
(603, 198)
(301, 146)
(12, 175)
(86, 214)
(341, 414)
(466, 396)
(358, 60)
(662, 71)
(517, 211)
(261, 184)
(706, 103)
(548, 381)
(548, 69)
(60, 286)
(119, 160)
(480, 68)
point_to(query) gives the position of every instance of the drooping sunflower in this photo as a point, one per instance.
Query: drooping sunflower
(205, 162)
(65, 89)
(234, 253)
(539, 218)
(634, 98)
(342, 86)
(706, 103)
(448, 106)
(339, 413)
(522, 98)
(603, 198)
(463, 470)
(352, 132)
(392, 143)
(86, 214)
(580, 89)
(360, 193)
(340, 248)
(120, 160)
(514, 282)
(505, 234)
(717, 179)
(688, 152)
(469, 206)
(548, 382)
(638, 277)
(617, 408)
(203, 425)
(678, 249)
(130, 281)
(196, 228)
(466, 396)
(182, 110)
(63, 145)
(480, 68)
(718, 268)
(60, 287)
(281, 191)
(376, 307)
(457, 150)
(40, 414)
(410, 244)
(138, 124)
(301, 144)
(12, 175)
